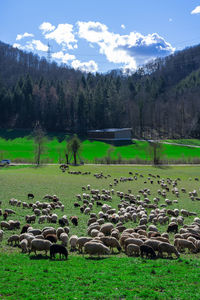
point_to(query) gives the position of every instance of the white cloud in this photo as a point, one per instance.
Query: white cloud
(89, 66)
(196, 10)
(63, 35)
(46, 27)
(124, 49)
(123, 26)
(64, 57)
(170, 20)
(38, 45)
(21, 36)
(16, 45)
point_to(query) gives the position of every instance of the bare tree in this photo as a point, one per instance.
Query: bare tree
(155, 150)
(74, 147)
(39, 140)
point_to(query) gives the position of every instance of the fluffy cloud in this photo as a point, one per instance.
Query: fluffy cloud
(89, 66)
(196, 10)
(32, 45)
(129, 50)
(123, 26)
(21, 36)
(63, 35)
(38, 45)
(63, 57)
(46, 27)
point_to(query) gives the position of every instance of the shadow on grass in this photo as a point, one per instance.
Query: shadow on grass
(39, 257)
(96, 258)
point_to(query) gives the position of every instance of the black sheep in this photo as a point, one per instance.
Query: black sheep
(30, 196)
(148, 251)
(55, 248)
(172, 228)
(74, 220)
(25, 228)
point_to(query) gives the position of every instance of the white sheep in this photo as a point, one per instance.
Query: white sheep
(82, 241)
(40, 245)
(13, 238)
(94, 248)
(24, 245)
(167, 248)
(64, 238)
(133, 248)
(73, 241)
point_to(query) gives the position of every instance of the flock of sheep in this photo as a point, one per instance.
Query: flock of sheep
(107, 229)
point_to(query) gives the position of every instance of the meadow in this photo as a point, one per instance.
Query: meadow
(81, 277)
(18, 145)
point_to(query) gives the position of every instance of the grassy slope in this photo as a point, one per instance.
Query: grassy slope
(19, 146)
(111, 278)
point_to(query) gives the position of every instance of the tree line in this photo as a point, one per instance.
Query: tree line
(161, 99)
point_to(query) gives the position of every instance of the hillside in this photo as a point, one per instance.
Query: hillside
(161, 99)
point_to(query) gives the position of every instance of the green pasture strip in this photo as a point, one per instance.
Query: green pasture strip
(178, 152)
(192, 142)
(22, 277)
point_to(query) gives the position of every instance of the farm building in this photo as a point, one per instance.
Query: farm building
(111, 134)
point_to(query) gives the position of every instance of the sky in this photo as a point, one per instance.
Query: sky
(100, 35)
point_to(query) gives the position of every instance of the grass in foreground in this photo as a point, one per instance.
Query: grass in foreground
(107, 278)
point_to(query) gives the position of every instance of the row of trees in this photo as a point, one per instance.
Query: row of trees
(159, 100)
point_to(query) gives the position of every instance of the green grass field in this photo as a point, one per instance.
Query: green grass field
(18, 145)
(112, 277)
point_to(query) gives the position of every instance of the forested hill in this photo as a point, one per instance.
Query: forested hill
(161, 99)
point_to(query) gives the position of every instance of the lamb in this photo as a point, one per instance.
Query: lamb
(24, 245)
(95, 248)
(132, 248)
(148, 251)
(73, 241)
(40, 245)
(82, 241)
(13, 238)
(58, 249)
(168, 248)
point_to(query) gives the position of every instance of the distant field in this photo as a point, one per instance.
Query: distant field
(18, 145)
(80, 277)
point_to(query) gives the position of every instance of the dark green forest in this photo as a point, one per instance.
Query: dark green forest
(160, 100)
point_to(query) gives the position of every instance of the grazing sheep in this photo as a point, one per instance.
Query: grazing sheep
(59, 231)
(64, 238)
(111, 242)
(172, 227)
(52, 238)
(167, 248)
(5, 215)
(45, 232)
(73, 241)
(58, 249)
(182, 244)
(95, 248)
(13, 238)
(40, 245)
(30, 219)
(82, 241)
(5, 225)
(106, 228)
(74, 220)
(152, 243)
(25, 228)
(1, 235)
(132, 249)
(30, 196)
(24, 245)
(34, 231)
(148, 251)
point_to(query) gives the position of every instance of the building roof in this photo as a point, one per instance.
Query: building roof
(110, 130)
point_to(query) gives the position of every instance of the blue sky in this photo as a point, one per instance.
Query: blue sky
(98, 36)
